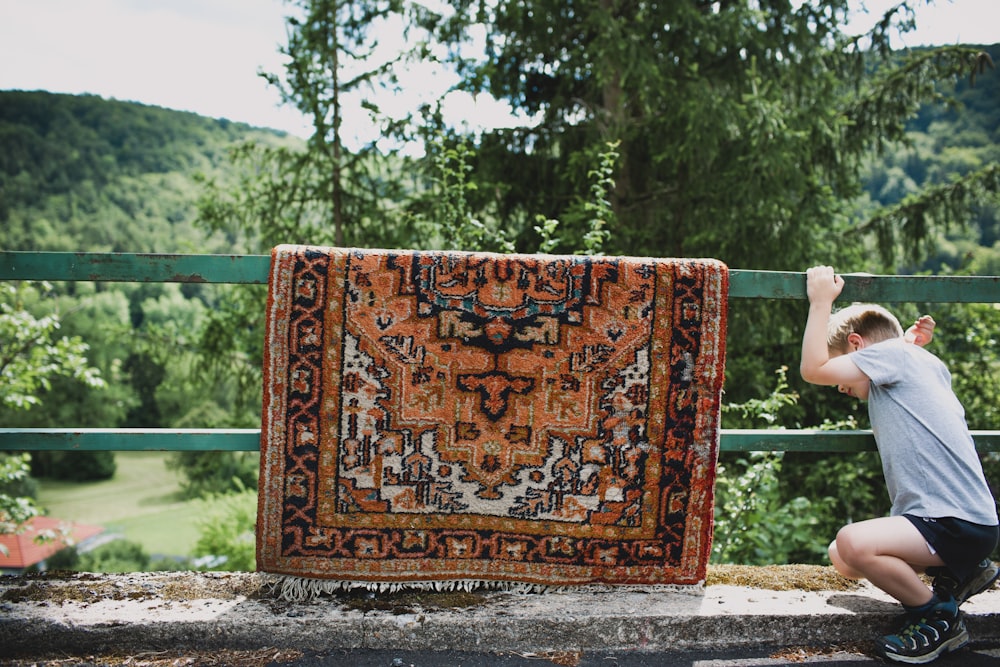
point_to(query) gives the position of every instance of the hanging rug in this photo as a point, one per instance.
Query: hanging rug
(449, 419)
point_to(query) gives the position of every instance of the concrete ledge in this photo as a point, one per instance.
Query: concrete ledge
(92, 614)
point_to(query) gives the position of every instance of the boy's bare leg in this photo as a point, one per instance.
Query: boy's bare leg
(887, 552)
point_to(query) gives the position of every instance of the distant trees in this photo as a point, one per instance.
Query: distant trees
(17, 503)
(32, 354)
(81, 173)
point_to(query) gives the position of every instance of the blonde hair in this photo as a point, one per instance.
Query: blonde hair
(873, 323)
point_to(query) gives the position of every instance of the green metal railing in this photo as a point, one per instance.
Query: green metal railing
(253, 269)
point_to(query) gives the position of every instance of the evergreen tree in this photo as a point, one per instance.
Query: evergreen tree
(743, 125)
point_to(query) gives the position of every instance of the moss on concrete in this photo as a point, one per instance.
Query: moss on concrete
(780, 577)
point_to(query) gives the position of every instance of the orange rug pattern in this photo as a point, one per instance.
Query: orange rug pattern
(434, 417)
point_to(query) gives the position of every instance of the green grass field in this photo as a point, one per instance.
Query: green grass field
(141, 501)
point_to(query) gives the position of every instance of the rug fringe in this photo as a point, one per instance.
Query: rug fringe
(302, 589)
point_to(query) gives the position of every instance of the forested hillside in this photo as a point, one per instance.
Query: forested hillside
(947, 141)
(81, 173)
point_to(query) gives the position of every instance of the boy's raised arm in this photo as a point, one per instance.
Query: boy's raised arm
(823, 286)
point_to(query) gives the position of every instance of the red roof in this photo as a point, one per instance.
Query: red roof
(24, 551)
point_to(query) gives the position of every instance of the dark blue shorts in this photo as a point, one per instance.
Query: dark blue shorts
(962, 545)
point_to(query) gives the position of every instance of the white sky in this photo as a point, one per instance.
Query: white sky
(203, 55)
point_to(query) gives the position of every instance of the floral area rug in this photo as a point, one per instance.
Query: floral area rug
(447, 419)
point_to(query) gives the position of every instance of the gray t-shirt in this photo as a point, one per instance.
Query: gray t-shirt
(928, 456)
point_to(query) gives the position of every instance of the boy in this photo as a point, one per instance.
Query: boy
(943, 518)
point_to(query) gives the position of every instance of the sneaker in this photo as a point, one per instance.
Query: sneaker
(946, 585)
(925, 638)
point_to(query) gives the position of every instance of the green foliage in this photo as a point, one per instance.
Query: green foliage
(441, 214)
(755, 524)
(74, 466)
(227, 530)
(82, 173)
(966, 340)
(598, 207)
(210, 473)
(59, 372)
(546, 230)
(768, 409)
(15, 477)
(594, 212)
(850, 487)
(935, 208)
(721, 119)
(30, 357)
(115, 556)
(31, 354)
(266, 200)
(230, 351)
(785, 507)
(16, 492)
(66, 559)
